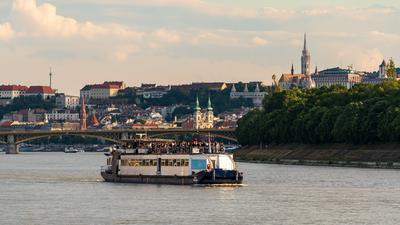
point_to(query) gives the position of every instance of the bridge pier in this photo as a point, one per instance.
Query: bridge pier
(13, 149)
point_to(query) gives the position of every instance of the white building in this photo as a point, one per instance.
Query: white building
(256, 96)
(62, 115)
(67, 101)
(102, 91)
(45, 92)
(12, 91)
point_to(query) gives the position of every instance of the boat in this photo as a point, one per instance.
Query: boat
(192, 165)
(70, 150)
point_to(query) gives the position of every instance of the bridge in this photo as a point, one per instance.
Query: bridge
(119, 136)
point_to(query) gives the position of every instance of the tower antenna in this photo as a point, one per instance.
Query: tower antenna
(50, 75)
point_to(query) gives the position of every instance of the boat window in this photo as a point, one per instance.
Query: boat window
(186, 162)
(178, 162)
(124, 162)
(170, 162)
(163, 162)
(147, 162)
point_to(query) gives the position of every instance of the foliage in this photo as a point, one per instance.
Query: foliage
(28, 102)
(364, 114)
(391, 69)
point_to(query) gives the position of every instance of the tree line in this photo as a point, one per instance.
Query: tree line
(363, 114)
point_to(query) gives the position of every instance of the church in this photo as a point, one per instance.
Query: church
(203, 119)
(303, 79)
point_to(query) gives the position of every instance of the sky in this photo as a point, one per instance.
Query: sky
(183, 41)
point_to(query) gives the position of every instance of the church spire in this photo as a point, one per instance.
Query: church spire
(292, 70)
(83, 114)
(209, 108)
(305, 58)
(246, 89)
(233, 88)
(197, 104)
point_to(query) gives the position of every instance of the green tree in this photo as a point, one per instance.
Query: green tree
(391, 69)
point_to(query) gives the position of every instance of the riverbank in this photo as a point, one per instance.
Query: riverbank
(365, 156)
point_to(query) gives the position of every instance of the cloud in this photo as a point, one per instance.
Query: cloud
(43, 20)
(315, 12)
(369, 59)
(122, 53)
(168, 36)
(257, 41)
(6, 32)
(274, 13)
(382, 36)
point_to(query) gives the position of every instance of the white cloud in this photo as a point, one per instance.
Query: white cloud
(122, 53)
(274, 13)
(43, 20)
(6, 32)
(168, 36)
(315, 12)
(257, 41)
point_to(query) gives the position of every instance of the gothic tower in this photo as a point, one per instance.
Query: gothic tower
(83, 114)
(305, 58)
(197, 114)
(210, 114)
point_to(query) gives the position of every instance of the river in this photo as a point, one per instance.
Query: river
(59, 188)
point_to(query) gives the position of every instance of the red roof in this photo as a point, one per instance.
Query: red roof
(6, 123)
(40, 90)
(13, 88)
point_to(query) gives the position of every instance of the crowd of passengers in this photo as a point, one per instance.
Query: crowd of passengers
(183, 147)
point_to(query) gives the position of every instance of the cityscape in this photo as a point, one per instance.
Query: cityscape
(199, 112)
(112, 104)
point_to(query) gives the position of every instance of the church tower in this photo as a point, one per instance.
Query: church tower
(210, 114)
(83, 114)
(382, 70)
(197, 114)
(305, 58)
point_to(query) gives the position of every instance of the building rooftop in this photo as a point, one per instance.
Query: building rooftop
(13, 88)
(40, 90)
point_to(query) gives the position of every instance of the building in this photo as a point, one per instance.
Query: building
(152, 91)
(305, 59)
(102, 91)
(382, 70)
(27, 116)
(303, 79)
(67, 101)
(203, 119)
(12, 91)
(62, 115)
(45, 92)
(256, 96)
(211, 86)
(338, 76)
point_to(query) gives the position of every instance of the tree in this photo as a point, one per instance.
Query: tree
(361, 115)
(391, 69)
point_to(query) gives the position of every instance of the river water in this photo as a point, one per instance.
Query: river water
(59, 188)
